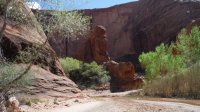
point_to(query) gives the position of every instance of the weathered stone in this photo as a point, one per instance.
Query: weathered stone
(13, 105)
(47, 84)
(123, 76)
(95, 48)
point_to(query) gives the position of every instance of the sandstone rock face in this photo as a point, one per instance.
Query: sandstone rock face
(17, 38)
(123, 76)
(141, 26)
(46, 84)
(95, 47)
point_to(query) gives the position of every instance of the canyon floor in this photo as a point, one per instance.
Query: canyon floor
(120, 102)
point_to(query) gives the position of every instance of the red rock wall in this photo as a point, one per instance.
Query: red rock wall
(140, 26)
(114, 19)
(136, 27)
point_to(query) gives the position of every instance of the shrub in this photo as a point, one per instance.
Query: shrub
(161, 62)
(86, 75)
(9, 72)
(28, 54)
(189, 45)
(15, 11)
(70, 64)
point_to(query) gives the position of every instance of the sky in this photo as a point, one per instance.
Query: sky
(76, 4)
(102, 3)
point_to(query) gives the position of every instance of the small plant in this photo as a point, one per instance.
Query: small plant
(29, 101)
(9, 72)
(28, 54)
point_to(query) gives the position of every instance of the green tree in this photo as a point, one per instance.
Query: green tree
(161, 62)
(188, 45)
(174, 58)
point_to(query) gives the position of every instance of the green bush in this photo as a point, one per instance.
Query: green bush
(189, 45)
(86, 75)
(161, 62)
(70, 64)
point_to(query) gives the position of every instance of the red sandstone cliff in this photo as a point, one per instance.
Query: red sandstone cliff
(136, 27)
(140, 26)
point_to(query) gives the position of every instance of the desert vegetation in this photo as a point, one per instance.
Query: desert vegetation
(173, 70)
(86, 75)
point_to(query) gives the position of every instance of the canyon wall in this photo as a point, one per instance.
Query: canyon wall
(135, 27)
(140, 26)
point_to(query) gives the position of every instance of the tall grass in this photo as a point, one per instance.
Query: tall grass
(185, 84)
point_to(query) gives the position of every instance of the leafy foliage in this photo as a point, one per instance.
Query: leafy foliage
(15, 11)
(161, 62)
(86, 75)
(70, 64)
(189, 45)
(174, 58)
(70, 24)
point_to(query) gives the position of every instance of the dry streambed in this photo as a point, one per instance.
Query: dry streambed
(124, 104)
(118, 102)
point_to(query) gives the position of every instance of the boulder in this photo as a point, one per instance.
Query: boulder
(95, 47)
(123, 76)
(13, 105)
(19, 37)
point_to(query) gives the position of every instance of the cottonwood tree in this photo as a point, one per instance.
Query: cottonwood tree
(12, 10)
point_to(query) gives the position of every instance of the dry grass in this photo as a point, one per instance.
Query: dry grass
(186, 84)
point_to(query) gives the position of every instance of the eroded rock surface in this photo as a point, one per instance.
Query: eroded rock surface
(95, 47)
(123, 76)
(46, 84)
